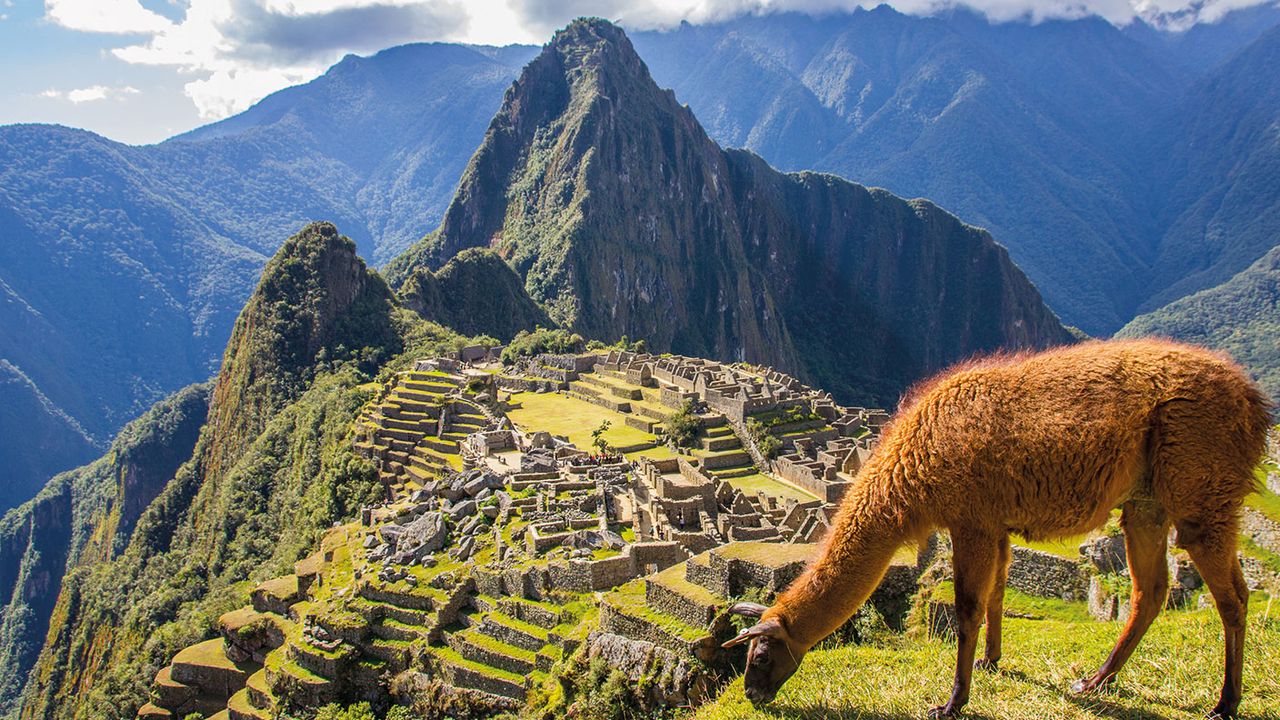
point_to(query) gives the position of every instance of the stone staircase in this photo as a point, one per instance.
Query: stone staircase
(414, 432)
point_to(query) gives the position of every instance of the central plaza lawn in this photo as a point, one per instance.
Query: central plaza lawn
(575, 419)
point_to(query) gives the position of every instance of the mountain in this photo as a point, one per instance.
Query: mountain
(1221, 179)
(272, 467)
(1097, 156)
(474, 293)
(1022, 129)
(122, 268)
(624, 218)
(82, 517)
(1240, 316)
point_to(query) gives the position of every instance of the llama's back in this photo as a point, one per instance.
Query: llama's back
(1049, 443)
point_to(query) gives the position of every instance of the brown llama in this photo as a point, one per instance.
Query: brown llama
(1045, 446)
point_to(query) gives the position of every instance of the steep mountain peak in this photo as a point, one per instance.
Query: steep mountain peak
(622, 217)
(316, 301)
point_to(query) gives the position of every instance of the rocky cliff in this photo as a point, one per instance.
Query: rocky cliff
(82, 517)
(623, 217)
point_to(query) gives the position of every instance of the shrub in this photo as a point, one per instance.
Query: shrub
(682, 425)
(542, 340)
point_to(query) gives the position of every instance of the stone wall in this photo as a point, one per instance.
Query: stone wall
(1046, 575)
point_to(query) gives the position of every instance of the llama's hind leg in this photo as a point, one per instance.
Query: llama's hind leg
(1214, 553)
(990, 660)
(974, 556)
(1146, 537)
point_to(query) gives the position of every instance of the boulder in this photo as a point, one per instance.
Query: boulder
(1106, 553)
(390, 533)
(425, 535)
(462, 509)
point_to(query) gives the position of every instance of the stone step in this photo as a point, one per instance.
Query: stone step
(205, 666)
(697, 570)
(395, 653)
(306, 688)
(461, 672)
(621, 406)
(724, 442)
(733, 472)
(511, 631)
(418, 599)
(391, 629)
(151, 711)
(481, 648)
(642, 424)
(403, 396)
(670, 593)
(725, 460)
(426, 386)
(170, 693)
(544, 615)
(626, 612)
(259, 690)
(239, 708)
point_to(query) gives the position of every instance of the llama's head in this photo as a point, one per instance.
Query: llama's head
(772, 656)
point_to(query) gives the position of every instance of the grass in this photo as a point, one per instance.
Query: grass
(1265, 502)
(751, 484)
(575, 419)
(1175, 674)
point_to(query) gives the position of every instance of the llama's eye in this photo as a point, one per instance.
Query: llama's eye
(761, 660)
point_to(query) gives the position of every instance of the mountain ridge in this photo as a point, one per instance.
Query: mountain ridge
(625, 218)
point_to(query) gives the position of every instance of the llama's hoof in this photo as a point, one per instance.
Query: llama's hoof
(987, 665)
(1084, 686)
(943, 711)
(1221, 713)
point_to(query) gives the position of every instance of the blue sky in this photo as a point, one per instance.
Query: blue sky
(139, 71)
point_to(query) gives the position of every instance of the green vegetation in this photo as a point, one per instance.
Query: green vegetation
(542, 340)
(82, 517)
(624, 343)
(682, 426)
(475, 292)
(752, 484)
(766, 442)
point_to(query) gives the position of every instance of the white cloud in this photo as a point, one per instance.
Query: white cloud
(238, 51)
(92, 93)
(245, 49)
(105, 16)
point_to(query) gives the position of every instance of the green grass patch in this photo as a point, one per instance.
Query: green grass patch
(630, 600)
(759, 482)
(1175, 674)
(575, 419)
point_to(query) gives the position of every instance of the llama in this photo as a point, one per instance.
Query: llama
(1045, 446)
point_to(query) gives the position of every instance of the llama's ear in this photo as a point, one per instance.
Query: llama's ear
(747, 609)
(755, 631)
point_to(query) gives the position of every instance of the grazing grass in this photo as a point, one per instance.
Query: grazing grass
(751, 484)
(575, 419)
(1176, 674)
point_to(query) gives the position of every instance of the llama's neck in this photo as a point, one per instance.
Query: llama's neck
(868, 530)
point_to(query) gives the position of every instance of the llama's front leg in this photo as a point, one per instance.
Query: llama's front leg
(990, 660)
(974, 555)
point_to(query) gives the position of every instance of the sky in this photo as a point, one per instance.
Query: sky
(139, 71)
